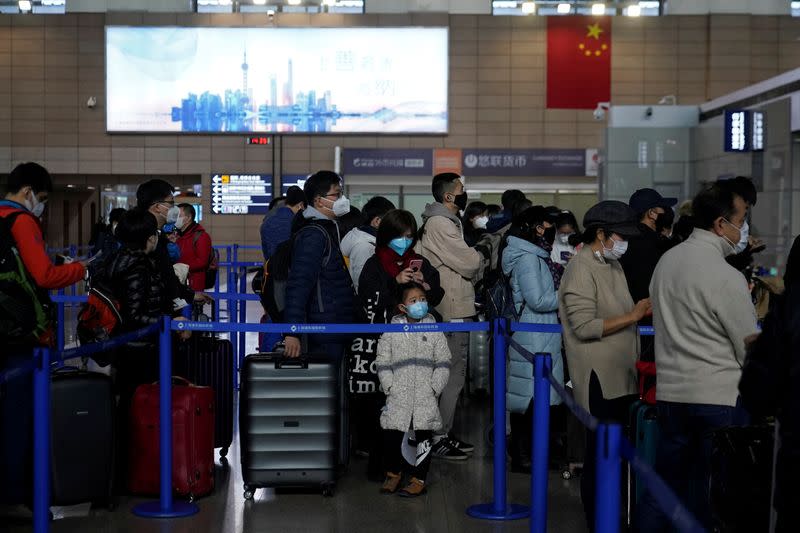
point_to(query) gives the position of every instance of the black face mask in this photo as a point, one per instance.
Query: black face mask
(664, 220)
(549, 235)
(460, 201)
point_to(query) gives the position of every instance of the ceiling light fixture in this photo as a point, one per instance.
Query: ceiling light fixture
(598, 9)
(25, 5)
(294, 2)
(260, 2)
(564, 9)
(528, 8)
(634, 10)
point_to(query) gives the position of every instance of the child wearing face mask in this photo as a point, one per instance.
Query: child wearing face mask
(413, 369)
(566, 226)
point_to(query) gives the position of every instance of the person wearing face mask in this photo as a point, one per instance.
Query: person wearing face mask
(319, 289)
(474, 222)
(196, 249)
(27, 191)
(639, 263)
(566, 227)
(702, 313)
(413, 370)
(748, 245)
(534, 278)
(599, 319)
(156, 197)
(442, 243)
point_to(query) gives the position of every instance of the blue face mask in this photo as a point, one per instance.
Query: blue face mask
(401, 245)
(418, 310)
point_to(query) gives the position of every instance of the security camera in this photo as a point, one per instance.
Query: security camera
(271, 14)
(91, 103)
(599, 112)
(648, 113)
(668, 100)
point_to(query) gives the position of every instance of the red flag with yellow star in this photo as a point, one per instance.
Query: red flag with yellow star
(578, 61)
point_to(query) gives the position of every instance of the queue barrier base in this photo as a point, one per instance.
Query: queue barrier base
(487, 511)
(154, 510)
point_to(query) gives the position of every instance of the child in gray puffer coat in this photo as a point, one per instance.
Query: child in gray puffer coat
(413, 369)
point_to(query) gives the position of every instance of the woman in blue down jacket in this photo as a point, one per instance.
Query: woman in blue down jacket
(534, 280)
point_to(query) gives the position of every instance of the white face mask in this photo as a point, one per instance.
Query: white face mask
(172, 214)
(181, 222)
(563, 238)
(480, 222)
(616, 251)
(341, 206)
(34, 205)
(744, 237)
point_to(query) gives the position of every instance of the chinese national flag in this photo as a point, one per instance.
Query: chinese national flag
(578, 61)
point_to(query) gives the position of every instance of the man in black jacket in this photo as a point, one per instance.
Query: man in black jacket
(644, 252)
(157, 197)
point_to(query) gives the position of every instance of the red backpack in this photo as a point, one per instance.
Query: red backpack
(99, 318)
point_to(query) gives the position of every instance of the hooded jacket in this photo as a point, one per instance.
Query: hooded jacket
(443, 244)
(413, 369)
(319, 289)
(358, 246)
(534, 292)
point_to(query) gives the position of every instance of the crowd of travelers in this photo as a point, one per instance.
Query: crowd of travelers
(627, 265)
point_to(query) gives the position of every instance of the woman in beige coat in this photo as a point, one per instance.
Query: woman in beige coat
(599, 321)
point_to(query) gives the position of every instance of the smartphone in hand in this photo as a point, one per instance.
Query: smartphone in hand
(415, 265)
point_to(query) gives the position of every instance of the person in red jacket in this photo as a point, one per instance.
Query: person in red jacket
(29, 186)
(195, 245)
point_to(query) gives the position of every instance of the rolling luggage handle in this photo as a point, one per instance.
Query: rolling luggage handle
(298, 363)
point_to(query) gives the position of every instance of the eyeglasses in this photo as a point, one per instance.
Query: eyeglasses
(335, 195)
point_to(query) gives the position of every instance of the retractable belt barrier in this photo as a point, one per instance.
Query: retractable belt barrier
(166, 507)
(612, 448)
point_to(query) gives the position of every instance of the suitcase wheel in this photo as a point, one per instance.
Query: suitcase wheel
(566, 474)
(328, 490)
(249, 493)
(223, 452)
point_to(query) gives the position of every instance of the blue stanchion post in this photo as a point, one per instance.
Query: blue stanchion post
(242, 320)
(499, 509)
(234, 336)
(542, 366)
(607, 492)
(165, 507)
(60, 325)
(41, 441)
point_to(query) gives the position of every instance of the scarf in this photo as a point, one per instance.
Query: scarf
(556, 269)
(392, 263)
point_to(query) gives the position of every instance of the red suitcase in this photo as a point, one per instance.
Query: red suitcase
(192, 440)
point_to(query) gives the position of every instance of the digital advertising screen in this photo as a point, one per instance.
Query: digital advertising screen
(277, 80)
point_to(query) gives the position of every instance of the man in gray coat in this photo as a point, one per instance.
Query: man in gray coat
(702, 313)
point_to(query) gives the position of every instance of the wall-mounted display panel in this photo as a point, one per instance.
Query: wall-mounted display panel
(283, 80)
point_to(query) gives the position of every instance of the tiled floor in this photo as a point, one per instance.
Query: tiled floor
(356, 507)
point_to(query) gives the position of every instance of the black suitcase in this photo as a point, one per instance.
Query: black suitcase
(82, 438)
(293, 422)
(208, 362)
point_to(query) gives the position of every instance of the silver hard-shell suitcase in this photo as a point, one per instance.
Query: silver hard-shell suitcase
(292, 422)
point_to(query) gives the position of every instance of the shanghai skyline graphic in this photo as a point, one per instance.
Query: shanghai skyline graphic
(304, 112)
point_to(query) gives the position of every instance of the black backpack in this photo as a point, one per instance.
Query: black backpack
(25, 309)
(500, 300)
(270, 284)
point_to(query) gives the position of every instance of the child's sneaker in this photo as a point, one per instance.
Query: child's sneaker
(391, 483)
(414, 488)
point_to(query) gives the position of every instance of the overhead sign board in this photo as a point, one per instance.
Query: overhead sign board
(241, 194)
(737, 130)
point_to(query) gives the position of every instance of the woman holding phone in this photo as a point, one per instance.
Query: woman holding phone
(395, 263)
